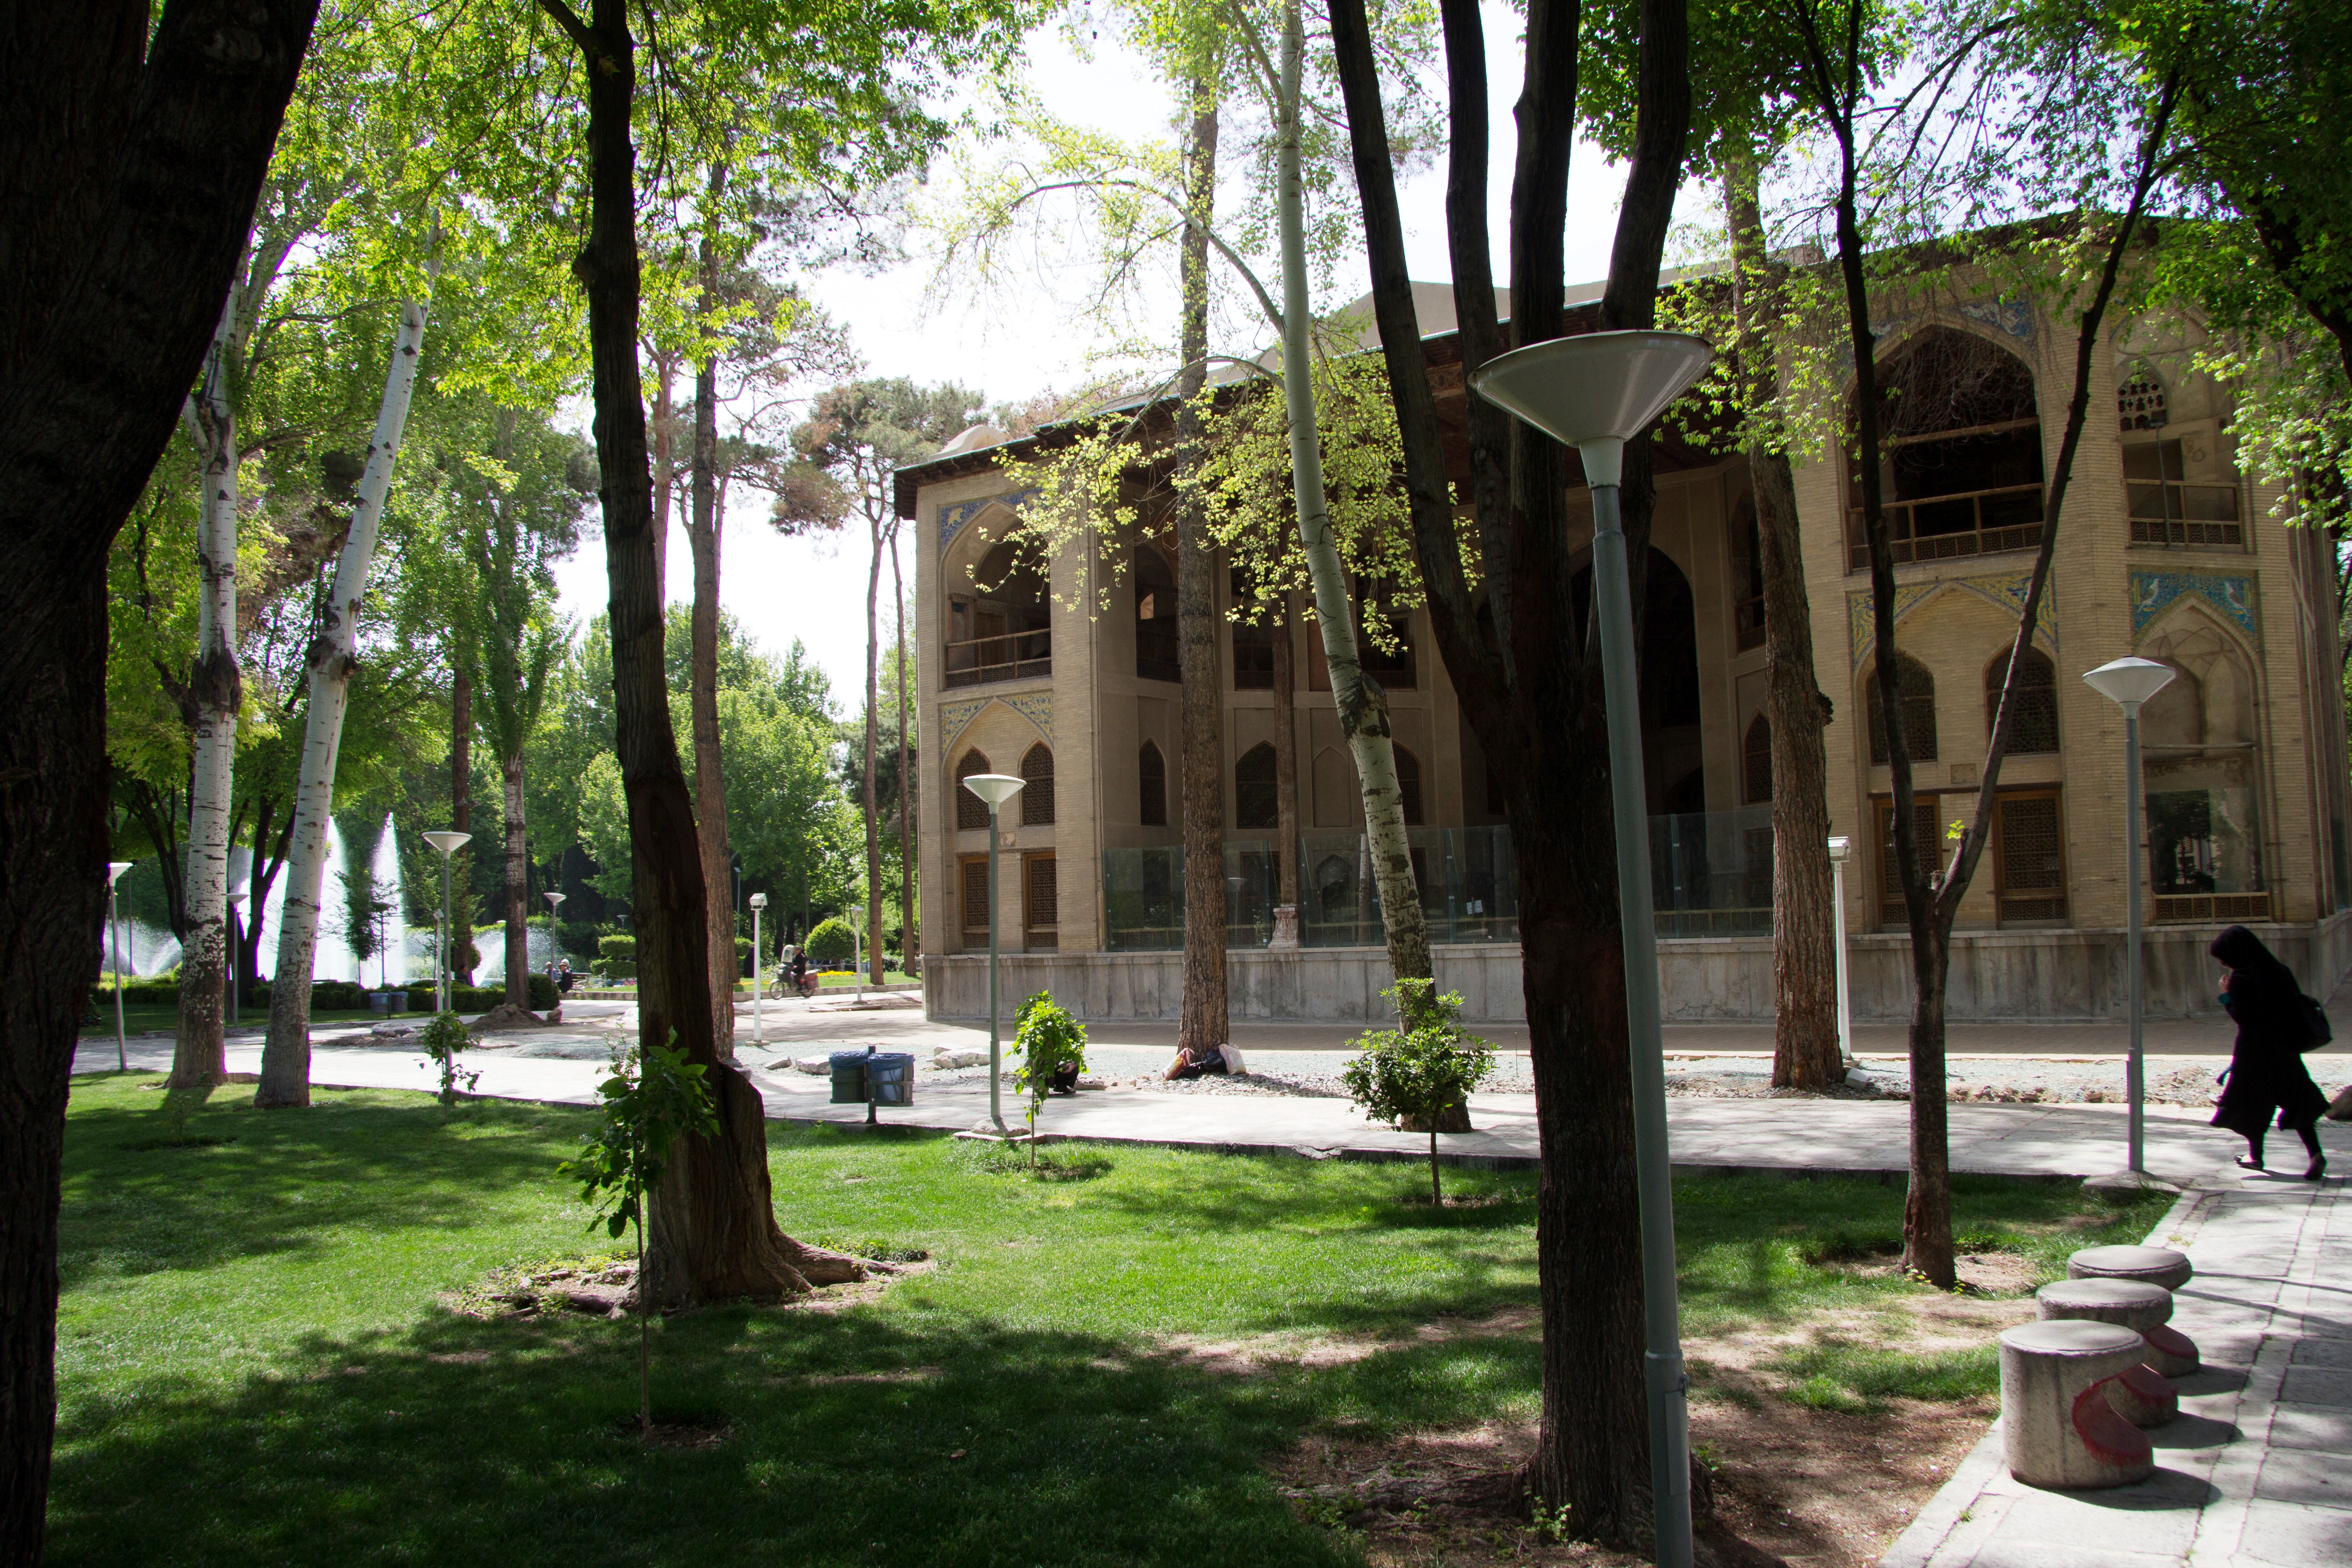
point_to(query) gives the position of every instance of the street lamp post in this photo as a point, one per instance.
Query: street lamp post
(1595, 393)
(995, 789)
(236, 948)
(1840, 848)
(114, 869)
(2129, 682)
(448, 843)
(758, 901)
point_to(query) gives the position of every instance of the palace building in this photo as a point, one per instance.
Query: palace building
(2168, 551)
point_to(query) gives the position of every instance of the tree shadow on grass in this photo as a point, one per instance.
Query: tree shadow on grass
(851, 1440)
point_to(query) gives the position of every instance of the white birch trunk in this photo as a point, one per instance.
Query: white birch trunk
(1363, 706)
(285, 1058)
(199, 1054)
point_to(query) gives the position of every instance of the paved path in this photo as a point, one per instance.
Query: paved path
(1859, 1137)
(2257, 1472)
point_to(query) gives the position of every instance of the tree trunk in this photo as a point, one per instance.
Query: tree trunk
(136, 157)
(1202, 1016)
(460, 935)
(711, 1230)
(518, 944)
(703, 534)
(909, 929)
(1285, 764)
(872, 698)
(199, 1054)
(664, 468)
(1363, 707)
(333, 658)
(1805, 1053)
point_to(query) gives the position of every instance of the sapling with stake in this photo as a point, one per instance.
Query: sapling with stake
(442, 1038)
(1048, 1041)
(654, 1098)
(1418, 1072)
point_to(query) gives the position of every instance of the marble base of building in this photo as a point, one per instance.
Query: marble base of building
(2044, 976)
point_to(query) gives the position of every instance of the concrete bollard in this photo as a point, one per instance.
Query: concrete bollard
(2059, 1425)
(2150, 1265)
(2143, 1308)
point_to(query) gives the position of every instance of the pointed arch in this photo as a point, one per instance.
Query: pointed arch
(1255, 802)
(1151, 786)
(1917, 688)
(971, 812)
(1961, 470)
(1155, 642)
(2034, 731)
(1037, 796)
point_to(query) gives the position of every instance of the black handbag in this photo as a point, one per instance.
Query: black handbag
(2314, 1022)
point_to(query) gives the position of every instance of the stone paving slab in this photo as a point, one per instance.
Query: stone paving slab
(2257, 1473)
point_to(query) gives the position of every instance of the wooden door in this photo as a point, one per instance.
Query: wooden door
(974, 877)
(1040, 916)
(1929, 830)
(2029, 845)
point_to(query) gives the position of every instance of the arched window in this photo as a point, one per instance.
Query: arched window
(1152, 782)
(1254, 629)
(2035, 728)
(1255, 802)
(1961, 472)
(2140, 398)
(1755, 754)
(1918, 693)
(1037, 796)
(1155, 617)
(1408, 768)
(971, 812)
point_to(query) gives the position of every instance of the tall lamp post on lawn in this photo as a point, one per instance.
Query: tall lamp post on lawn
(554, 919)
(1840, 848)
(994, 789)
(448, 843)
(114, 869)
(2128, 682)
(758, 901)
(1595, 393)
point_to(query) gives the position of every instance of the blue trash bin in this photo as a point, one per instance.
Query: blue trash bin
(893, 1077)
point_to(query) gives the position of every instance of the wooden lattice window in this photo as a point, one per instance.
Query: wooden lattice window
(2034, 731)
(1408, 767)
(2029, 857)
(971, 812)
(1256, 801)
(2139, 399)
(1037, 794)
(973, 873)
(1151, 784)
(1755, 755)
(1931, 840)
(1917, 691)
(1040, 910)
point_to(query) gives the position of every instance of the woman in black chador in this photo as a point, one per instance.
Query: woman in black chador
(2266, 1074)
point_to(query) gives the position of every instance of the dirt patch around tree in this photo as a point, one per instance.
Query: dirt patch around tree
(1794, 1481)
(605, 1287)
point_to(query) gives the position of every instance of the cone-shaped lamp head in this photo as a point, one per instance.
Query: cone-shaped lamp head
(2130, 681)
(114, 869)
(994, 788)
(446, 842)
(1595, 392)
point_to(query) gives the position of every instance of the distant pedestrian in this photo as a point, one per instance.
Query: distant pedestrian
(2266, 1077)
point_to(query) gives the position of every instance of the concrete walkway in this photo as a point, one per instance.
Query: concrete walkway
(2257, 1472)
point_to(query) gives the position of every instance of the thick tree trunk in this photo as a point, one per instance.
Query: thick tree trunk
(135, 159)
(711, 1230)
(1201, 1016)
(216, 688)
(332, 658)
(704, 535)
(1805, 1052)
(909, 928)
(517, 943)
(1363, 706)
(460, 959)
(873, 811)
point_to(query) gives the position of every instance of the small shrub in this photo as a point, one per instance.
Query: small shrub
(624, 948)
(442, 1038)
(1421, 1070)
(833, 943)
(1047, 1040)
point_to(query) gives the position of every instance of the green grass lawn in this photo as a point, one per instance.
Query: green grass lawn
(146, 1017)
(257, 1363)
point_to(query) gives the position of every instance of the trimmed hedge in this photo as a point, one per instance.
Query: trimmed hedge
(342, 996)
(833, 943)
